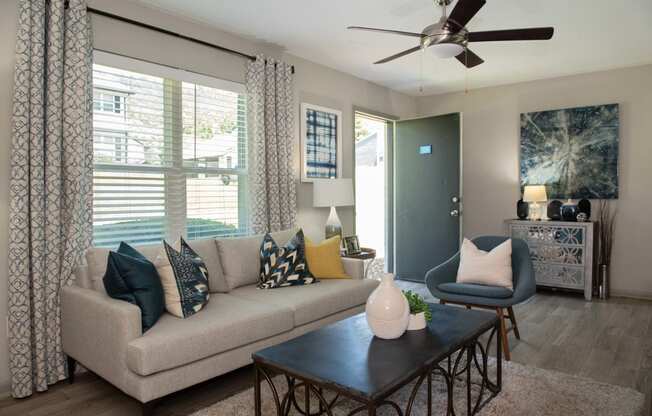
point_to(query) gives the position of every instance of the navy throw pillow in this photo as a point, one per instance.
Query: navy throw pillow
(131, 277)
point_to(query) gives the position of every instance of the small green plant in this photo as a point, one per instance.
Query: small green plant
(417, 304)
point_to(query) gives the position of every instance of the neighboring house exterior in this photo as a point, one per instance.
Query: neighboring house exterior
(169, 158)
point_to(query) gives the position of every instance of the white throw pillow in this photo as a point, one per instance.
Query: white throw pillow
(492, 268)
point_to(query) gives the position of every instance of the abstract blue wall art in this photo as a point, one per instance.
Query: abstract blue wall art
(321, 143)
(574, 151)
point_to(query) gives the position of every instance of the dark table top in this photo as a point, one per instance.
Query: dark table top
(348, 357)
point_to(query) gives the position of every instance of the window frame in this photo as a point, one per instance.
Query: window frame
(176, 219)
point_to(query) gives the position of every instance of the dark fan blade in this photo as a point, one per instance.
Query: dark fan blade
(463, 12)
(394, 32)
(469, 59)
(398, 55)
(535, 33)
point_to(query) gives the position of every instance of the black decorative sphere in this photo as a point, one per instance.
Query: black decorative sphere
(522, 209)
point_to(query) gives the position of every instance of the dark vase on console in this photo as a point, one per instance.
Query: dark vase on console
(554, 210)
(584, 206)
(522, 209)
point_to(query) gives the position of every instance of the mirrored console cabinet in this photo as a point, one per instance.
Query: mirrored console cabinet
(562, 252)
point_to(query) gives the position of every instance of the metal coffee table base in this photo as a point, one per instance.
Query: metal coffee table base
(472, 356)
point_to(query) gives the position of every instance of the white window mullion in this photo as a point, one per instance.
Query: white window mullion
(175, 181)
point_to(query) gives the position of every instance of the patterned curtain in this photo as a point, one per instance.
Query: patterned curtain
(50, 184)
(270, 93)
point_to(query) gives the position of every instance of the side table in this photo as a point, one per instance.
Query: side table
(364, 254)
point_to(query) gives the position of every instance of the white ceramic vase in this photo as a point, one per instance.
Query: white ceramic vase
(417, 321)
(388, 311)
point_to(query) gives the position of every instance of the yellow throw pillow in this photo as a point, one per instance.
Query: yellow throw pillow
(324, 261)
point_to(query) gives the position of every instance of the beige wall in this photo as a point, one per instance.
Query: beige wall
(491, 156)
(314, 83)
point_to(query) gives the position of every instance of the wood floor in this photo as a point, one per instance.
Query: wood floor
(607, 341)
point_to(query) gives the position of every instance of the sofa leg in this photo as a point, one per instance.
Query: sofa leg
(512, 318)
(147, 409)
(72, 366)
(503, 333)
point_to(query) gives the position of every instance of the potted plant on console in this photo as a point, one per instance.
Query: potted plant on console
(419, 311)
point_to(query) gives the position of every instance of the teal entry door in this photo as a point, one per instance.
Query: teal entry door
(427, 208)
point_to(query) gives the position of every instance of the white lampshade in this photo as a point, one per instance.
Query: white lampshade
(332, 192)
(446, 50)
(535, 193)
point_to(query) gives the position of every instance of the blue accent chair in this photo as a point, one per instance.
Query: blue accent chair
(441, 283)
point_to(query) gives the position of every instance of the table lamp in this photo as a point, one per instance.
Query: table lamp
(333, 193)
(533, 194)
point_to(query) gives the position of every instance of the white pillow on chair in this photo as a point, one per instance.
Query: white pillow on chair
(492, 268)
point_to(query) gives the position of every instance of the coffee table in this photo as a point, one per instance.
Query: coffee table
(345, 358)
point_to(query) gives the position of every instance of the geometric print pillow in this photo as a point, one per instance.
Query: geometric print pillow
(184, 278)
(284, 266)
(187, 251)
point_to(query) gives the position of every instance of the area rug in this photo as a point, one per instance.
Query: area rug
(526, 391)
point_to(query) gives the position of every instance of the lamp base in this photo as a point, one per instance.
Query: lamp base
(333, 225)
(535, 211)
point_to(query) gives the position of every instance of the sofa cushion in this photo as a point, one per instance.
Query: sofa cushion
(282, 266)
(132, 278)
(225, 323)
(240, 257)
(313, 302)
(184, 278)
(324, 259)
(471, 289)
(96, 258)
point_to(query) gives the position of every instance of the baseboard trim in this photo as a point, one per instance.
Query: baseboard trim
(642, 295)
(5, 391)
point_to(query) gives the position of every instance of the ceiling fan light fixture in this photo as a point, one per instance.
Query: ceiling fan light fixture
(446, 50)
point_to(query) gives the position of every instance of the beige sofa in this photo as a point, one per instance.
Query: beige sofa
(105, 335)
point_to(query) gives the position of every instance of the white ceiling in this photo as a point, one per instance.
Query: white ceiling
(590, 35)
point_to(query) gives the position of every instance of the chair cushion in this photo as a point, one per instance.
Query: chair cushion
(315, 301)
(225, 323)
(471, 289)
(240, 257)
(492, 267)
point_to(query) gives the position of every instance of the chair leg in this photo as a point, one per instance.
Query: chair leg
(503, 334)
(72, 366)
(512, 318)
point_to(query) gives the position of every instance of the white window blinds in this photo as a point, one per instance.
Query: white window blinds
(170, 154)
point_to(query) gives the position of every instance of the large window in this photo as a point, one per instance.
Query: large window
(170, 154)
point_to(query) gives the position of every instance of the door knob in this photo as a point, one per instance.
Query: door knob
(455, 213)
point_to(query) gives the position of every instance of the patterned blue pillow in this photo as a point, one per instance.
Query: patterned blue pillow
(284, 266)
(185, 279)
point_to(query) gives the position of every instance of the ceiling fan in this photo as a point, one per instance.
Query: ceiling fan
(449, 36)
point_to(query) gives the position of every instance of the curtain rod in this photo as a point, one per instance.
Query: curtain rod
(171, 33)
